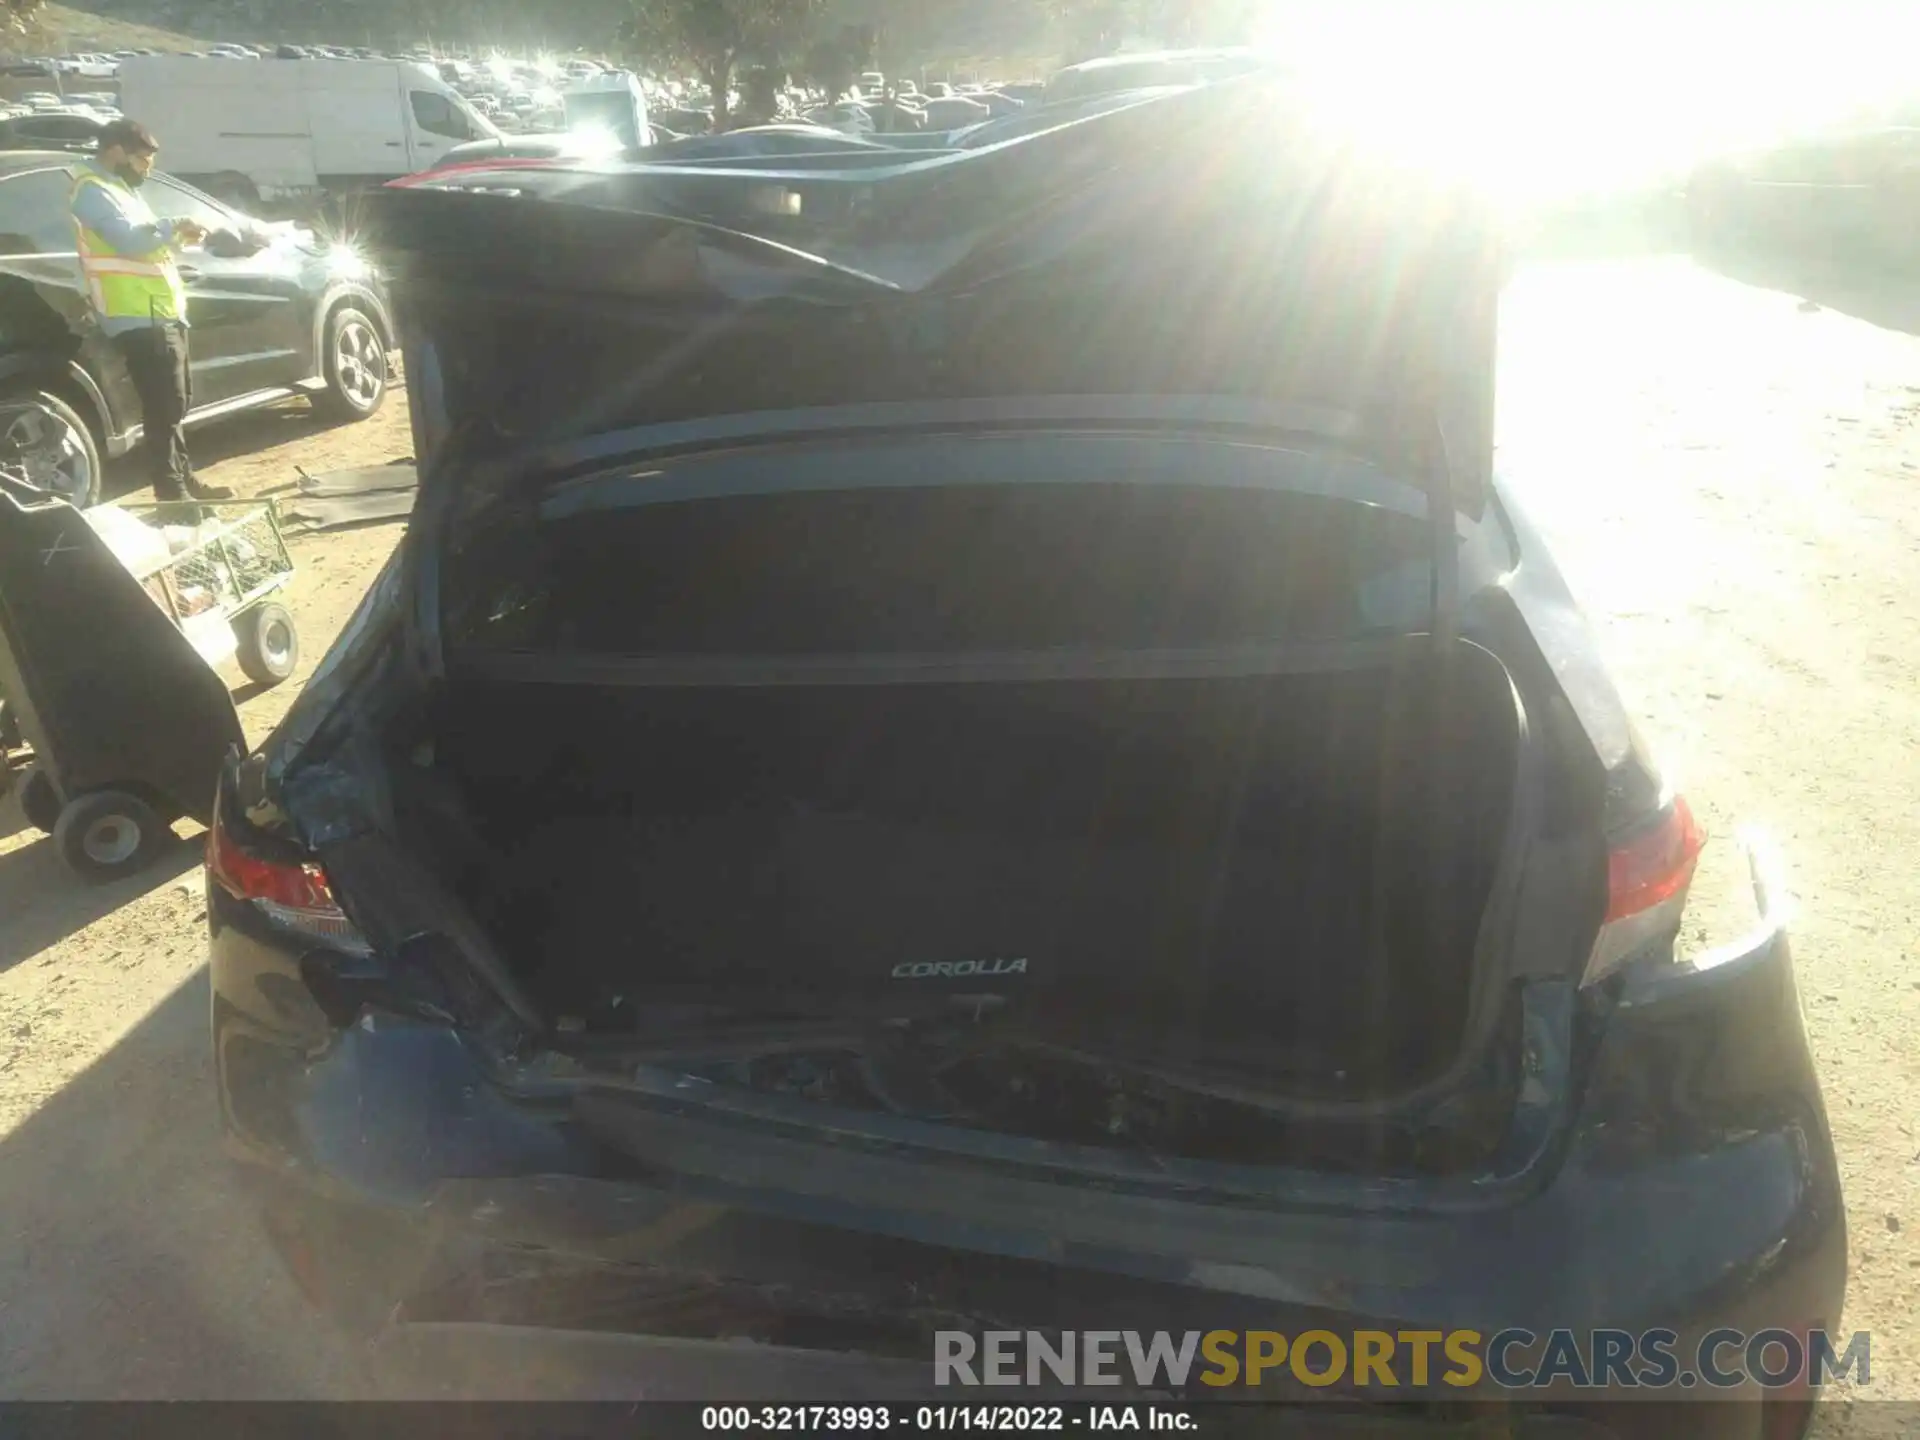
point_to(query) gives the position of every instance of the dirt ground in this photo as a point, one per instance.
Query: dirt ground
(1727, 475)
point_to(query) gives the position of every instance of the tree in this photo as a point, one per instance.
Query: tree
(760, 95)
(1097, 28)
(711, 37)
(1093, 28)
(834, 60)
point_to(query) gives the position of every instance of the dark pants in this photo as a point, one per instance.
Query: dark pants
(156, 358)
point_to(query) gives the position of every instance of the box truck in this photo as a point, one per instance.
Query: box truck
(282, 133)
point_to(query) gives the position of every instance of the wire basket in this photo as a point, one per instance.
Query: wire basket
(226, 562)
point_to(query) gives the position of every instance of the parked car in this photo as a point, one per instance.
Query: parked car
(681, 119)
(51, 130)
(852, 837)
(601, 116)
(1851, 185)
(954, 111)
(90, 66)
(1111, 74)
(300, 317)
(849, 118)
(997, 103)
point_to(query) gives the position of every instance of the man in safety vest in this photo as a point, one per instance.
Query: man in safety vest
(126, 258)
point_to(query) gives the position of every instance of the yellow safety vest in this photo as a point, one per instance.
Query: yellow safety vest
(127, 287)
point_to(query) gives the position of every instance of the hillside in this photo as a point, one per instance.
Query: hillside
(62, 29)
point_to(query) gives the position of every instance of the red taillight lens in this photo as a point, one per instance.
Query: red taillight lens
(1656, 865)
(1647, 879)
(296, 897)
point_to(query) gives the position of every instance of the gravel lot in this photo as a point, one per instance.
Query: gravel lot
(1728, 474)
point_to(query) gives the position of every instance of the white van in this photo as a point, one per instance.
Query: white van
(611, 102)
(292, 130)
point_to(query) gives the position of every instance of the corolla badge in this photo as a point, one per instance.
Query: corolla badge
(956, 969)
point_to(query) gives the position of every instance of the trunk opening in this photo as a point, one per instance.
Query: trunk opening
(1139, 911)
(1120, 808)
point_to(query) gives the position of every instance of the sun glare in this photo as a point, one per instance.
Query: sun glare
(1550, 99)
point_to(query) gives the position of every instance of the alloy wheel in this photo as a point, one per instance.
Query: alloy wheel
(359, 363)
(44, 445)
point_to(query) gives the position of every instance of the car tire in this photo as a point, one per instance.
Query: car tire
(268, 646)
(109, 835)
(353, 360)
(39, 801)
(45, 436)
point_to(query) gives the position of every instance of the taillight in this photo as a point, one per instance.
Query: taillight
(295, 897)
(1647, 877)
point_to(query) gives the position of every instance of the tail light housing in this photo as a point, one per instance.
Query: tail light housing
(1648, 872)
(292, 896)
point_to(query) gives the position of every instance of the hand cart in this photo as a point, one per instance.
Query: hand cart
(115, 719)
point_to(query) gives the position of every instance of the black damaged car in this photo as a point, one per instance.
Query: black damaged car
(301, 316)
(999, 758)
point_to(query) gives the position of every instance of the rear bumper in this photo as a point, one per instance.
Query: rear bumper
(1695, 1189)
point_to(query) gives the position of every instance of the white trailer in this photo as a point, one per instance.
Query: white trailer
(281, 131)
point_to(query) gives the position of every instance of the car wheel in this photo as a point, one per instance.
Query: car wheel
(269, 646)
(109, 835)
(47, 440)
(353, 358)
(39, 801)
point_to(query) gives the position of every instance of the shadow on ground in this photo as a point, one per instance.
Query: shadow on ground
(1848, 275)
(137, 1269)
(44, 902)
(243, 434)
(1889, 300)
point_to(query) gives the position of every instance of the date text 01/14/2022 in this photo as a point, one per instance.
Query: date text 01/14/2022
(872, 1418)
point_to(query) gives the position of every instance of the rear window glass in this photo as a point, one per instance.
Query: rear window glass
(955, 570)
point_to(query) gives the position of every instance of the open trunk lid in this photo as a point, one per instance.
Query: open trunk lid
(1215, 243)
(1020, 864)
